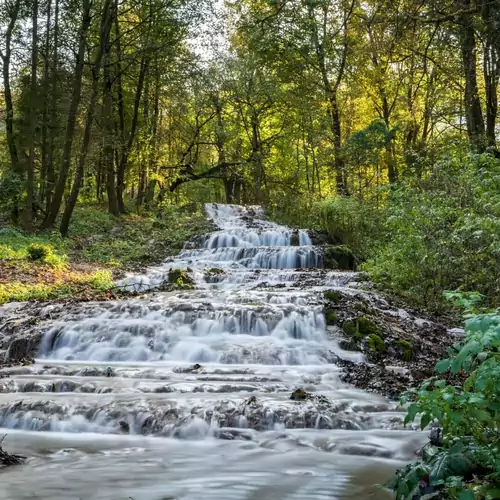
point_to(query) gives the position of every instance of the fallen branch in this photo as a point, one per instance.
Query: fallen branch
(7, 459)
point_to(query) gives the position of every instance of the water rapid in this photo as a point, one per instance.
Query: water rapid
(187, 393)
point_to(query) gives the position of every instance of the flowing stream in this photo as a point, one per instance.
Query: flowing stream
(177, 395)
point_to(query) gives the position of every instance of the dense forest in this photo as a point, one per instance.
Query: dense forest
(374, 121)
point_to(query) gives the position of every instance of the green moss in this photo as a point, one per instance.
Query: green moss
(406, 349)
(299, 395)
(333, 296)
(180, 279)
(214, 271)
(331, 318)
(338, 257)
(350, 327)
(376, 343)
(367, 327)
(360, 327)
(362, 307)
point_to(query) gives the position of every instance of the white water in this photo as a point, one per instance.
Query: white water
(155, 428)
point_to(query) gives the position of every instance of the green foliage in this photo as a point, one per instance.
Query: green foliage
(468, 415)
(338, 257)
(406, 349)
(333, 296)
(72, 287)
(360, 327)
(444, 234)
(38, 252)
(349, 221)
(331, 318)
(376, 343)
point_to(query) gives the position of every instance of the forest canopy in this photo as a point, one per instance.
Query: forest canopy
(293, 104)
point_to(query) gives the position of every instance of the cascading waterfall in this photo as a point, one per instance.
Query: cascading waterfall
(184, 365)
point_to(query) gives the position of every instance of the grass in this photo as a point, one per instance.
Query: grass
(99, 247)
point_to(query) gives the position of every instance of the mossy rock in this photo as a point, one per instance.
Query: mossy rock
(376, 343)
(331, 318)
(180, 279)
(362, 307)
(333, 296)
(405, 348)
(299, 395)
(338, 257)
(214, 271)
(350, 327)
(360, 327)
(367, 327)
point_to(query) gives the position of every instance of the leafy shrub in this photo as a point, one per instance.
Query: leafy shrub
(465, 461)
(348, 220)
(38, 252)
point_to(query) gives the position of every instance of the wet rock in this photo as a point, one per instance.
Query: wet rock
(299, 395)
(21, 349)
(124, 427)
(180, 279)
(295, 238)
(338, 257)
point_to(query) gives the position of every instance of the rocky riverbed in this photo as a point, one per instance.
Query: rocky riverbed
(252, 335)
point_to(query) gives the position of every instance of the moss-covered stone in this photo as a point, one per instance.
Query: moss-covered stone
(406, 349)
(331, 317)
(350, 327)
(214, 271)
(362, 307)
(360, 327)
(333, 296)
(338, 257)
(180, 279)
(299, 395)
(376, 343)
(367, 327)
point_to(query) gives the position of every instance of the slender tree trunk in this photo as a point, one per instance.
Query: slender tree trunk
(490, 13)
(30, 181)
(72, 115)
(122, 167)
(53, 121)
(96, 70)
(108, 127)
(46, 106)
(473, 111)
(9, 108)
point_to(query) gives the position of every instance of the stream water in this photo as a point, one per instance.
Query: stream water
(115, 408)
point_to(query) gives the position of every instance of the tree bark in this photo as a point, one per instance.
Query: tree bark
(96, 70)
(53, 120)
(30, 181)
(472, 102)
(122, 167)
(9, 108)
(72, 115)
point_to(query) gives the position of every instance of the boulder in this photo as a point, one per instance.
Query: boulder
(338, 257)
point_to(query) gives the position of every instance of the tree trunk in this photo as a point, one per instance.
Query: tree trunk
(472, 102)
(96, 70)
(30, 181)
(72, 115)
(46, 106)
(53, 123)
(9, 109)
(490, 11)
(122, 167)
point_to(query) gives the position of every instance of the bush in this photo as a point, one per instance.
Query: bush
(348, 221)
(463, 458)
(443, 234)
(38, 252)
